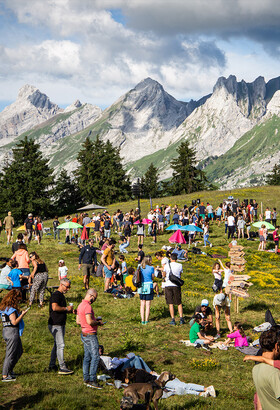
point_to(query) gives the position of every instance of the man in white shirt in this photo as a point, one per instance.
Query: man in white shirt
(209, 209)
(172, 291)
(231, 225)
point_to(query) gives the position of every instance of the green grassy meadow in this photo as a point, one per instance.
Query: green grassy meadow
(158, 343)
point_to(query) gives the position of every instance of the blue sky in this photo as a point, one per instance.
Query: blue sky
(96, 50)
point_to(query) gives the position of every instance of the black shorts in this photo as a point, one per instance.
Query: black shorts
(173, 295)
(149, 296)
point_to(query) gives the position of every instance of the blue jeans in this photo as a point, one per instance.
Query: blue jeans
(184, 388)
(123, 246)
(91, 357)
(107, 233)
(58, 333)
(136, 362)
(56, 233)
(205, 238)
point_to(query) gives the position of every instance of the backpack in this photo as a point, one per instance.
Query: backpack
(136, 280)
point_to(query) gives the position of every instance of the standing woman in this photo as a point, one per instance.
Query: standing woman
(12, 330)
(140, 232)
(40, 278)
(262, 238)
(146, 290)
(206, 234)
(39, 230)
(276, 239)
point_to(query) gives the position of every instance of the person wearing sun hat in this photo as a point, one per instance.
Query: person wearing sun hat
(206, 312)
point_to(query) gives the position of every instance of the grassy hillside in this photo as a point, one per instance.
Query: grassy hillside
(258, 143)
(158, 343)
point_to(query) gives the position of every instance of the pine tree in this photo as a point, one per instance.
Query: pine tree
(66, 195)
(100, 176)
(186, 178)
(149, 182)
(26, 181)
(85, 171)
(274, 177)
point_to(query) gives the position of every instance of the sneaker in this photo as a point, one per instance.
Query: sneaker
(206, 347)
(173, 323)
(205, 394)
(218, 335)
(182, 321)
(222, 347)
(197, 346)
(9, 378)
(65, 371)
(94, 385)
(211, 245)
(211, 391)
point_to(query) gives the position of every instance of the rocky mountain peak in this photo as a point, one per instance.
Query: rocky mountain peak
(250, 97)
(26, 91)
(30, 108)
(230, 84)
(74, 106)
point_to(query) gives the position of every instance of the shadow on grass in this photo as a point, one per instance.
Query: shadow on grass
(26, 400)
(78, 362)
(258, 306)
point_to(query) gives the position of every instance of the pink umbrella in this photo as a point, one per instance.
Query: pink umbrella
(177, 237)
(145, 221)
(84, 234)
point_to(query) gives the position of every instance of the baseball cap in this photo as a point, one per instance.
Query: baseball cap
(61, 261)
(30, 215)
(204, 302)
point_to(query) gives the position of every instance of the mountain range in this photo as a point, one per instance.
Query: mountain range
(234, 130)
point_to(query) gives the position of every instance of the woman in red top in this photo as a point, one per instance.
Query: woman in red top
(39, 230)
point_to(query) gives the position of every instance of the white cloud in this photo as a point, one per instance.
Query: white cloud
(82, 52)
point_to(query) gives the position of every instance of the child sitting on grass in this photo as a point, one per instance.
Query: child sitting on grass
(238, 335)
(196, 334)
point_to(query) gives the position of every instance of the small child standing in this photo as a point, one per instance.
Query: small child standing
(217, 272)
(15, 276)
(62, 270)
(123, 267)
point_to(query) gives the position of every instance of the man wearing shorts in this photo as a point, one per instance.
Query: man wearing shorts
(108, 260)
(9, 223)
(172, 291)
(221, 301)
(88, 259)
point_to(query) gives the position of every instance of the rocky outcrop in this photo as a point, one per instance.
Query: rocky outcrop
(71, 124)
(30, 109)
(145, 119)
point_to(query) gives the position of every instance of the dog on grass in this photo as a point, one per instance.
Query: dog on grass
(148, 392)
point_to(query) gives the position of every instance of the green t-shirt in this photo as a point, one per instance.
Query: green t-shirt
(267, 382)
(195, 329)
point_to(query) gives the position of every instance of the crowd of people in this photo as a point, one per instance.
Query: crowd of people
(98, 257)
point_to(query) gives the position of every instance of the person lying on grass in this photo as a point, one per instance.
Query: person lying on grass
(196, 334)
(133, 375)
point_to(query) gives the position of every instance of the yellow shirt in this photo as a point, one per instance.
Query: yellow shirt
(129, 284)
(109, 256)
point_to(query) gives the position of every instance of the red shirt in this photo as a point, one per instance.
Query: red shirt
(85, 308)
(75, 220)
